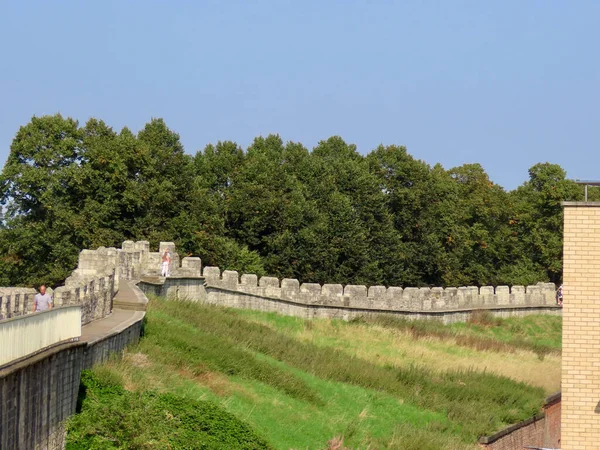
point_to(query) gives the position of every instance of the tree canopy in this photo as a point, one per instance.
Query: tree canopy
(328, 215)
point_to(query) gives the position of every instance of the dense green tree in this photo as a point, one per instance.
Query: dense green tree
(268, 207)
(101, 183)
(215, 170)
(414, 194)
(539, 218)
(327, 215)
(38, 189)
(482, 215)
(359, 243)
(162, 185)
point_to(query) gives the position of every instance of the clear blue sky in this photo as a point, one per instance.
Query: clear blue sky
(503, 83)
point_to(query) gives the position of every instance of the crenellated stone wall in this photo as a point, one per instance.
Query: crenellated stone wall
(188, 280)
(15, 301)
(309, 300)
(94, 283)
(134, 260)
(40, 390)
(93, 293)
(381, 297)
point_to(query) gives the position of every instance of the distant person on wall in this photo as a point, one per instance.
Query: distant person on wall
(42, 301)
(166, 261)
(559, 296)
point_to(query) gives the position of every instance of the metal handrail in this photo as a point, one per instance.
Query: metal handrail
(587, 183)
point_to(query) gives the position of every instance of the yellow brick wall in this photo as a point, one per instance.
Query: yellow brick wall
(581, 327)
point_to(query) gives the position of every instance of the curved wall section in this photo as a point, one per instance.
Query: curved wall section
(35, 332)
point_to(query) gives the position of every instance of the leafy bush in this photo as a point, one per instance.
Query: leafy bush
(113, 418)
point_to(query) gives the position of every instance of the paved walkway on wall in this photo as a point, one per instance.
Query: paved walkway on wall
(128, 307)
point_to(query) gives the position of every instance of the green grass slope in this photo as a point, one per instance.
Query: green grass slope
(300, 384)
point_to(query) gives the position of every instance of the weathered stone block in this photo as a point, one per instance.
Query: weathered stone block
(548, 291)
(486, 295)
(332, 290)
(486, 290)
(502, 295)
(438, 300)
(229, 280)
(3, 306)
(310, 292)
(451, 297)
(269, 282)
(533, 295)
(290, 288)
(270, 286)
(376, 291)
(473, 296)
(412, 298)
(129, 246)
(517, 295)
(396, 298)
(212, 275)
(377, 296)
(193, 264)
(249, 280)
(153, 264)
(310, 288)
(424, 295)
(142, 246)
(355, 291)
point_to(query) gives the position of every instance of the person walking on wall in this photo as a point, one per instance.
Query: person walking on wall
(42, 301)
(166, 261)
(559, 296)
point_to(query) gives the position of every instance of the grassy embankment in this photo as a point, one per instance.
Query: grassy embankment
(377, 383)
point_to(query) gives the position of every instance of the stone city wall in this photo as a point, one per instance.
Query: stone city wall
(311, 300)
(135, 261)
(30, 333)
(95, 281)
(15, 301)
(38, 395)
(381, 297)
(99, 271)
(94, 294)
(39, 391)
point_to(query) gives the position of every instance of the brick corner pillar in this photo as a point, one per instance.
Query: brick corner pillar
(580, 380)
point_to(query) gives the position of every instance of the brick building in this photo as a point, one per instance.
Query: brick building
(581, 327)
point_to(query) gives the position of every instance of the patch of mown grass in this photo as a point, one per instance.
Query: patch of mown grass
(479, 403)
(113, 418)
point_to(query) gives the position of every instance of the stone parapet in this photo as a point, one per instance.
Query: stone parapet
(15, 301)
(381, 297)
(134, 260)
